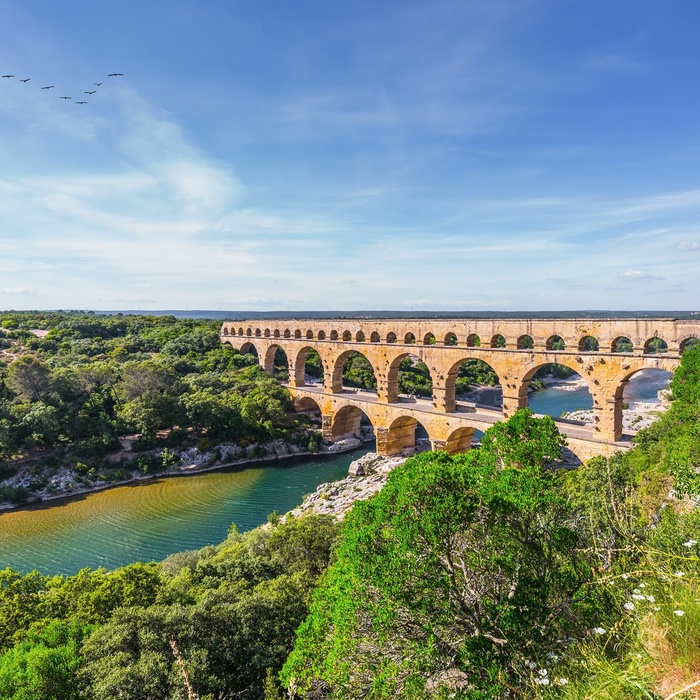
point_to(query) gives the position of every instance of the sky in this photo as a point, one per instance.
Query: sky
(396, 154)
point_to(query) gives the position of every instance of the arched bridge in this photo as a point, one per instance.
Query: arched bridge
(514, 348)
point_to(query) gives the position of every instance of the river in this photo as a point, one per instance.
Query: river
(154, 519)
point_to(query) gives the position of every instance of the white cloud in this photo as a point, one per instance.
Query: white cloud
(688, 245)
(637, 275)
(22, 291)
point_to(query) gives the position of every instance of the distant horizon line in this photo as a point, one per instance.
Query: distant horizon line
(375, 314)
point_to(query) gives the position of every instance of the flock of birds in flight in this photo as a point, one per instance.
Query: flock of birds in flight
(65, 97)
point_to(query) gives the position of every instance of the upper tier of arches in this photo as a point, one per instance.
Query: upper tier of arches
(627, 336)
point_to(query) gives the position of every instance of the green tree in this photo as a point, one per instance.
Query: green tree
(29, 378)
(458, 566)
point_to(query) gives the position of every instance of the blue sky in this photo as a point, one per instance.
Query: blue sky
(467, 155)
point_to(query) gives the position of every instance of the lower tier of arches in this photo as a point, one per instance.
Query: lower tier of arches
(395, 425)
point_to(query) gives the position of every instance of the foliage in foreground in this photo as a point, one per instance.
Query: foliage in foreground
(220, 616)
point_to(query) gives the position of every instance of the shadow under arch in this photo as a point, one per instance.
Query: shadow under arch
(562, 389)
(360, 372)
(405, 436)
(249, 349)
(408, 374)
(459, 441)
(347, 422)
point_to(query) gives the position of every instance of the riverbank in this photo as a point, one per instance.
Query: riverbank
(65, 483)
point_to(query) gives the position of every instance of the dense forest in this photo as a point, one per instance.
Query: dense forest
(490, 575)
(72, 385)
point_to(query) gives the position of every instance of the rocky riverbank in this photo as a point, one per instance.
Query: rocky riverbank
(40, 484)
(367, 476)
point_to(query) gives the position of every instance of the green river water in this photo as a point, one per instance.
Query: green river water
(153, 519)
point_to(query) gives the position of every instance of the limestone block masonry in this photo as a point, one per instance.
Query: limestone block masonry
(514, 348)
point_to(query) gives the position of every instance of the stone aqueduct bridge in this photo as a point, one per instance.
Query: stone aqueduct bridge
(443, 345)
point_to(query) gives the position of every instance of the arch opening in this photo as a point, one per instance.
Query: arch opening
(622, 344)
(321, 335)
(429, 339)
(555, 342)
(351, 422)
(374, 338)
(559, 391)
(347, 336)
(297, 334)
(258, 333)
(353, 369)
(310, 411)
(644, 395)
(498, 341)
(475, 381)
(276, 363)
(460, 441)
(360, 337)
(525, 342)
(267, 333)
(391, 337)
(688, 344)
(473, 341)
(655, 345)
(249, 349)
(308, 367)
(309, 335)
(409, 339)
(276, 334)
(588, 344)
(405, 436)
(287, 333)
(450, 339)
(334, 335)
(410, 376)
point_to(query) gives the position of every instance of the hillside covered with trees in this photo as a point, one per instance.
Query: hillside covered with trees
(484, 576)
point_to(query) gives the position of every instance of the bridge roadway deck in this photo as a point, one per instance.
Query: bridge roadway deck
(580, 437)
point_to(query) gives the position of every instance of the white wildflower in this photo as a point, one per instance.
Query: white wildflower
(628, 606)
(562, 681)
(638, 596)
(542, 681)
(542, 672)
(598, 630)
(690, 543)
(651, 599)
(625, 576)
(642, 585)
(678, 613)
(679, 574)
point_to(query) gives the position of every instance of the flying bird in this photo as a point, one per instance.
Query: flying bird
(65, 98)
(24, 80)
(81, 102)
(112, 75)
(89, 92)
(98, 84)
(8, 76)
(48, 87)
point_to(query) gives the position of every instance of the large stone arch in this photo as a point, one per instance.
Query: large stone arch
(399, 437)
(392, 375)
(268, 362)
(527, 376)
(610, 423)
(297, 364)
(447, 387)
(250, 347)
(345, 423)
(336, 378)
(459, 440)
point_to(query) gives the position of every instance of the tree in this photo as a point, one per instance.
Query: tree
(461, 571)
(29, 378)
